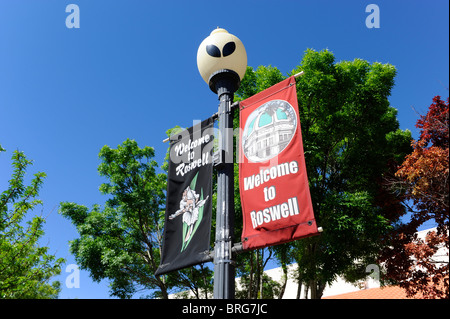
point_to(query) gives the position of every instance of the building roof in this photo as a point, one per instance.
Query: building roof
(388, 292)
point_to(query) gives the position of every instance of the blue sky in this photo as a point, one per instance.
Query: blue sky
(130, 71)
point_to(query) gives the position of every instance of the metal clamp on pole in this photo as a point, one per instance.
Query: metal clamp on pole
(223, 250)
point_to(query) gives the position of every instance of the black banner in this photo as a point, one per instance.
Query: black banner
(189, 198)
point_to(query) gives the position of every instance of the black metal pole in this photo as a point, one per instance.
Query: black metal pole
(224, 83)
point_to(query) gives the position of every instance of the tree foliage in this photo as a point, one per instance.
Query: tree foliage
(121, 241)
(425, 170)
(26, 268)
(422, 182)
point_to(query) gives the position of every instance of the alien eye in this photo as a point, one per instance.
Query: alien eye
(228, 48)
(213, 51)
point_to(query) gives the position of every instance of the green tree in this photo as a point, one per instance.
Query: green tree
(350, 135)
(26, 268)
(122, 241)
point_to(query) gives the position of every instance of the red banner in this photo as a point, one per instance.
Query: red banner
(275, 197)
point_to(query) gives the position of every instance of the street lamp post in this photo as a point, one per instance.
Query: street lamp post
(222, 61)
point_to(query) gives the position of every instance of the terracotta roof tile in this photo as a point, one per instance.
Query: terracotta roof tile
(388, 292)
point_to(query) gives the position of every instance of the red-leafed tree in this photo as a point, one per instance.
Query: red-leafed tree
(422, 181)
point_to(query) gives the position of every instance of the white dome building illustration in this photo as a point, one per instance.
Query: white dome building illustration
(268, 130)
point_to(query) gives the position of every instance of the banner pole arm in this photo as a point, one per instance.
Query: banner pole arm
(236, 104)
(237, 248)
(215, 116)
(299, 74)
